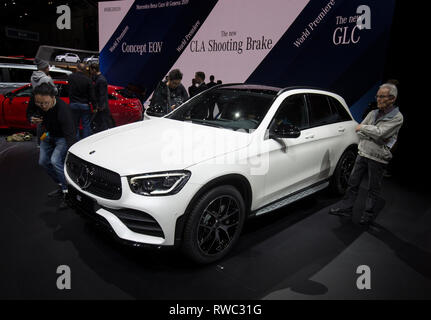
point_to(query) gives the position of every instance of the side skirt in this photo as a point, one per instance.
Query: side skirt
(291, 198)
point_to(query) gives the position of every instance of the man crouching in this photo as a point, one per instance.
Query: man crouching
(58, 136)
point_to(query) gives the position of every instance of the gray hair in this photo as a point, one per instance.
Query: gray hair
(393, 91)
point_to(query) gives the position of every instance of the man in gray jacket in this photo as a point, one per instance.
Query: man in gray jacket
(377, 135)
(37, 78)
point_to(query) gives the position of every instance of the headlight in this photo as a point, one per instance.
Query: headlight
(159, 184)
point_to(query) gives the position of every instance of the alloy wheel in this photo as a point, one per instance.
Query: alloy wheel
(218, 225)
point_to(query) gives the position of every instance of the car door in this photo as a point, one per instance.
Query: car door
(63, 91)
(291, 162)
(15, 108)
(326, 132)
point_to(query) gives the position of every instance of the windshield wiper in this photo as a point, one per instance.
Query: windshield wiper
(205, 123)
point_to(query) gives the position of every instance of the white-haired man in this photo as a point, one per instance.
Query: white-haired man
(377, 134)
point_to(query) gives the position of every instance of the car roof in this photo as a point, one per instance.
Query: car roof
(31, 67)
(250, 87)
(269, 89)
(110, 87)
(305, 88)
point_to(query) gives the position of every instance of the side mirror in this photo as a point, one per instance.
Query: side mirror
(284, 131)
(9, 95)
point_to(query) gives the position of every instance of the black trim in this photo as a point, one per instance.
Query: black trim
(253, 213)
(101, 182)
(100, 222)
(138, 221)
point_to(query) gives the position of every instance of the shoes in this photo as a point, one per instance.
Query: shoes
(64, 202)
(342, 212)
(367, 218)
(58, 193)
(387, 174)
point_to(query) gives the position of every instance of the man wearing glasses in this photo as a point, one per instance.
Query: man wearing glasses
(59, 134)
(377, 135)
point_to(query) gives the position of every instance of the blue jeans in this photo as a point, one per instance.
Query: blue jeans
(82, 112)
(51, 158)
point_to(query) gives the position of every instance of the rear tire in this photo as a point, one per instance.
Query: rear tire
(340, 178)
(214, 225)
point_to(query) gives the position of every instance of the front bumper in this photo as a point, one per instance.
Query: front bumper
(135, 218)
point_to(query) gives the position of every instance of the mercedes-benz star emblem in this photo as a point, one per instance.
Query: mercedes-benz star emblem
(84, 178)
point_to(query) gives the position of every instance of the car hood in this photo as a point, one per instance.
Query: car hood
(157, 145)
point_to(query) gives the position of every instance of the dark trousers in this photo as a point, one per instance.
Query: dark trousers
(82, 112)
(374, 203)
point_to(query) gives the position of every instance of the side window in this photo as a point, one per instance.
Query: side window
(20, 75)
(338, 108)
(292, 111)
(3, 77)
(320, 110)
(25, 92)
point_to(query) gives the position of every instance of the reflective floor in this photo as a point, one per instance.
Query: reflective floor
(298, 252)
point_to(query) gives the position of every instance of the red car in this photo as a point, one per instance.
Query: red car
(125, 107)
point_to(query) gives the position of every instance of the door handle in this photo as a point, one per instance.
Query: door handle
(25, 102)
(310, 136)
(341, 129)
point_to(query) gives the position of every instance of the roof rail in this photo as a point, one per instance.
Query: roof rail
(304, 87)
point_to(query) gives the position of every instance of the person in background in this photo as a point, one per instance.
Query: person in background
(59, 135)
(103, 118)
(211, 83)
(377, 135)
(200, 81)
(170, 94)
(81, 94)
(192, 88)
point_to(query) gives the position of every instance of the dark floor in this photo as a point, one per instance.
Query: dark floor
(298, 252)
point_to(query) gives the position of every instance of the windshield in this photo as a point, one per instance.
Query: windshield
(228, 108)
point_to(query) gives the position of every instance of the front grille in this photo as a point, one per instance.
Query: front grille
(138, 221)
(94, 179)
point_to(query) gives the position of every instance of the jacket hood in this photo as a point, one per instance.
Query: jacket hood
(157, 145)
(39, 77)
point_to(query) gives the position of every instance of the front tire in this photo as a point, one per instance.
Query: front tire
(214, 224)
(340, 178)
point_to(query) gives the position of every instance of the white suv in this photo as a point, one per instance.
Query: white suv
(194, 176)
(68, 57)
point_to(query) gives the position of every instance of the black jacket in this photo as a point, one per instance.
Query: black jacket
(200, 88)
(162, 99)
(81, 89)
(101, 92)
(58, 122)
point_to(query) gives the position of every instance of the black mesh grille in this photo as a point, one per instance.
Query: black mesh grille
(94, 179)
(138, 221)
